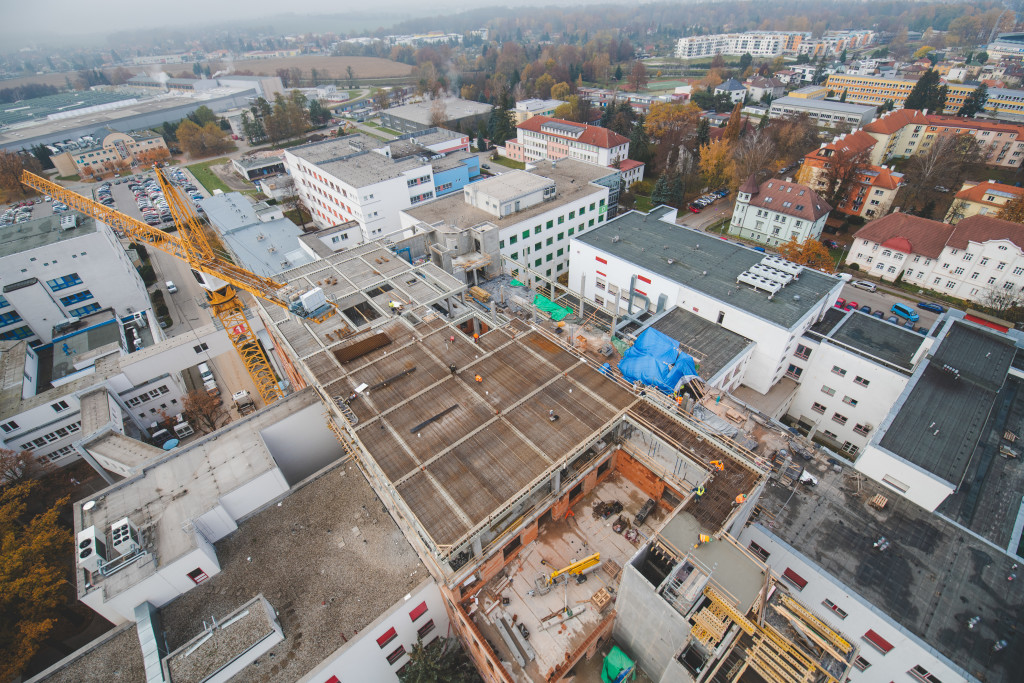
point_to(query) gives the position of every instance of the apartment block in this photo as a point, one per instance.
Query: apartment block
(542, 137)
(777, 211)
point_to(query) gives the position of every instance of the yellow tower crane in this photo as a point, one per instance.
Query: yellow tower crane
(223, 280)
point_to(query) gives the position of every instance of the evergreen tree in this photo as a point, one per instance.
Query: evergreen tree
(676, 191)
(842, 98)
(660, 195)
(704, 132)
(618, 72)
(927, 93)
(763, 123)
(639, 143)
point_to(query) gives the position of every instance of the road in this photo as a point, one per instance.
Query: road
(708, 217)
(882, 300)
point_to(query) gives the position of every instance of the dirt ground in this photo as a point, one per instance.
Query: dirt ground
(226, 172)
(327, 66)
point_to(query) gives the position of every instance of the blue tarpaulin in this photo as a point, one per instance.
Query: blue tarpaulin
(658, 361)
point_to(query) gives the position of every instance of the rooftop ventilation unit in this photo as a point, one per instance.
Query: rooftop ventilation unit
(125, 537)
(68, 222)
(92, 550)
(772, 274)
(758, 282)
(779, 263)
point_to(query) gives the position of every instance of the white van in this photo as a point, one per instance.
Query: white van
(171, 287)
(205, 374)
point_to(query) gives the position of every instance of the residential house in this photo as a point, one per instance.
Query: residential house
(777, 211)
(985, 199)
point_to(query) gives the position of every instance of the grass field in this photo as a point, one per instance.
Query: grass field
(208, 178)
(643, 203)
(509, 163)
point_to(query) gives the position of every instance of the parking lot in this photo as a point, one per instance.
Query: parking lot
(26, 210)
(124, 199)
(882, 300)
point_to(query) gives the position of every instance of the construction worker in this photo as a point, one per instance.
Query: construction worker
(452, 339)
(478, 378)
(476, 338)
(453, 368)
(391, 305)
(702, 539)
(552, 416)
(699, 491)
(717, 464)
(740, 500)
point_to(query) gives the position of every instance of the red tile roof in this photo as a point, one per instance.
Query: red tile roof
(977, 193)
(974, 124)
(981, 229)
(803, 201)
(895, 120)
(910, 234)
(592, 135)
(629, 164)
(884, 178)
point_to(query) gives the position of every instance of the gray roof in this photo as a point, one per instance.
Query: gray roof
(266, 248)
(828, 105)
(870, 336)
(259, 161)
(931, 580)
(939, 421)
(454, 107)
(370, 168)
(730, 85)
(512, 185)
(38, 233)
(711, 345)
(706, 264)
(573, 179)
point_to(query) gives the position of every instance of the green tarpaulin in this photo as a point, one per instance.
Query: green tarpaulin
(548, 306)
(617, 666)
(517, 283)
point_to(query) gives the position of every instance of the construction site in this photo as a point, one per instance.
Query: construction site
(534, 481)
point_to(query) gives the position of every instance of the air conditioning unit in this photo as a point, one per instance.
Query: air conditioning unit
(125, 537)
(92, 550)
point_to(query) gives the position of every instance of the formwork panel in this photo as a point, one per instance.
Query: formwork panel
(424, 372)
(602, 386)
(508, 376)
(578, 417)
(438, 435)
(386, 450)
(549, 350)
(432, 511)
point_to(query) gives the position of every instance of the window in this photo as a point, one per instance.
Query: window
(861, 381)
(69, 280)
(818, 408)
(9, 426)
(84, 295)
(418, 611)
(838, 371)
(895, 483)
(84, 310)
(526, 234)
(795, 579)
(550, 241)
(921, 674)
(759, 551)
(9, 318)
(199, 348)
(861, 663)
(513, 239)
(387, 637)
(23, 332)
(879, 643)
(59, 406)
(862, 429)
(425, 629)
(850, 401)
(536, 230)
(832, 606)
(512, 547)
(828, 390)
(803, 352)
(396, 654)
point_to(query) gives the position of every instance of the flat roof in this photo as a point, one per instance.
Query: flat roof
(932, 578)
(706, 264)
(831, 105)
(370, 168)
(711, 345)
(356, 565)
(40, 232)
(512, 185)
(115, 656)
(454, 107)
(940, 419)
(877, 339)
(169, 492)
(572, 181)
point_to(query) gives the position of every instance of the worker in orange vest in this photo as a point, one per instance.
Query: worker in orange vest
(740, 500)
(717, 464)
(478, 378)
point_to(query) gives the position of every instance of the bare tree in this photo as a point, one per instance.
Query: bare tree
(940, 169)
(19, 466)
(755, 155)
(637, 78)
(438, 113)
(842, 173)
(295, 203)
(204, 411)
(11, 166)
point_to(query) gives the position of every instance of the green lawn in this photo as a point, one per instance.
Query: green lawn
(643, 203)
(509, 163)
(383, 129)
(69, 178)
(208, 178)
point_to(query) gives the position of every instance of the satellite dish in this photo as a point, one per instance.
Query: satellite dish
(89, 506)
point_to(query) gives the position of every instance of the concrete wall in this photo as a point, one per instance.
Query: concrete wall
(362, 659)
(647, 628)
(912, 482)
(307, 428)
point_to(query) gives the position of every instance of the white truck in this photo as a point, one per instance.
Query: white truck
(243, 402)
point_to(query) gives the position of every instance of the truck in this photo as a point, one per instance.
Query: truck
(243, 402)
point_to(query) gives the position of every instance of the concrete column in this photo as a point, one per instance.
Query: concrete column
(494, 314)
(552, 288)
(556, 483)
(583, 286)
(476, 325)
(478, 549)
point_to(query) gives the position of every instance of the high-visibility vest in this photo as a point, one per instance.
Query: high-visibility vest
(700, 490)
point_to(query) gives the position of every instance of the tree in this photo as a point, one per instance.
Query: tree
(810, 252)
(981, 57)
(318, 113)
(716, 163)
(664, 117)
(381, 99)
(733, 128)
(660, 195)
(543, 86)
(945, 164)
(637, 77)
(19, 466)
(842, 98)
(208, 140)
(922, 51)
(576, 109)
(33, 556)
(1013, 210)
(441, 660)
(746, 59)
(639, 143)
(203, 410)
(438, 113)
(704, 132)
(618, 72)
(560, 91)
(842, 174)
(754, 156)
(927, 93)
(975, 102)
(351, 76)
(11, 166)
(294, 203)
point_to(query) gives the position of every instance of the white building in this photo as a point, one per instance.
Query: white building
(536, 212)
(850, 367)
(527, 109)
(979, 259)
(356, 178)
(757, 43)
(542, 137)
(733, 88)
(57, 268)
(825, 113)
(646, 261)
(778, 211)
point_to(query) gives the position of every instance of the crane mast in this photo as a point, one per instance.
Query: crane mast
(226, 280)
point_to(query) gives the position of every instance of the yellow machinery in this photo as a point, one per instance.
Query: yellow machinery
(222, 279)
(575, 568)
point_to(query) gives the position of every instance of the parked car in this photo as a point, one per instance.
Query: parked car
(909, 325)
(893, 319)
(831, 244)
(865, 309)
(865, 285)
(905, 311)
(850, 306)
(929, 306)
(879, 315)
(840, 302)
(171, 287)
